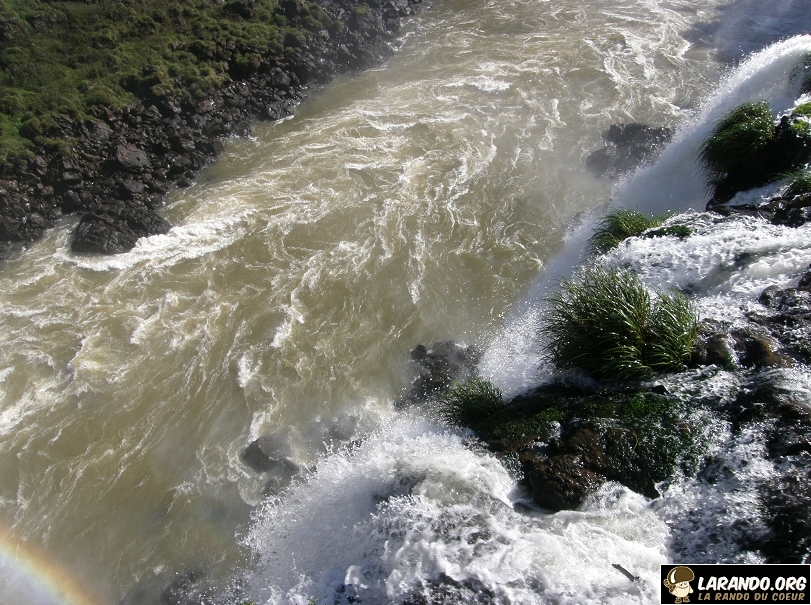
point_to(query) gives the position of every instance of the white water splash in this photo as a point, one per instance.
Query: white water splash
(415, 503)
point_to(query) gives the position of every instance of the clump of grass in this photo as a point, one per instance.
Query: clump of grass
(799, 183)
(468, 404)
(680, 231)
(618, 226)
(671, 332)
(737, 138)
(749, 147)
(606, 325)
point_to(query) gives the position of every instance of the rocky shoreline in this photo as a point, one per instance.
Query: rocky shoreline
(122, 163)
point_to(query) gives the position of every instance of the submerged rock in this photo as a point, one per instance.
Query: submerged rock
(270, 453)
(628, 147)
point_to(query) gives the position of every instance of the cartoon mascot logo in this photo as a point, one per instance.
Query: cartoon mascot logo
(678, 583)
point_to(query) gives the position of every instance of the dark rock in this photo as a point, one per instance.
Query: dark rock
(131, 158)
(445, 589)
(562, 482)
(788, 318)
(439, 366)
(569, 440)
(756, 349)
(792, 217)
(116, 228)
(271, 454)
(629, 146)
(787, 504)
(718, 350)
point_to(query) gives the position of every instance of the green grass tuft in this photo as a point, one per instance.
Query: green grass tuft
(749, 148)
(468, 404)
(737, 138)
(680, 231)
(619, 226)
(606, 325)
(671, 332)
(799, 183)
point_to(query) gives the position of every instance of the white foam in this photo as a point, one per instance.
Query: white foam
(414, 502)
(182, 242)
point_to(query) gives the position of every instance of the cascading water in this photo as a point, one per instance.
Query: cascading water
(411, 203)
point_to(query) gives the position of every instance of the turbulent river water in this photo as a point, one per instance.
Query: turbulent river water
(427, 199)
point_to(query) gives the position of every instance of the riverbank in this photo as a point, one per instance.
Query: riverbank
(115, 164)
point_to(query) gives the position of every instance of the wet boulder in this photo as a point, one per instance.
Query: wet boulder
(272, 456)
(116, 227)
(562, 482)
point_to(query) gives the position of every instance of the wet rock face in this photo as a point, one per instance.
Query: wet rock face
(789, 211)
(787, 318)
(132, 157)
(628, 146)
(773, 340)
(570, 441)
(563, 481)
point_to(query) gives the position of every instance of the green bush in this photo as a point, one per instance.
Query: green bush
(606, 325)
(619, 226)
(468, 404)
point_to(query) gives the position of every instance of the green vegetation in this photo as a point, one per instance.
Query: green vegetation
(467, 404)
(680, 231)
(750, 148)
(799, 183)
(63, 58)
(606, 325)
(737, 138)
(618, 226)
(361, 9)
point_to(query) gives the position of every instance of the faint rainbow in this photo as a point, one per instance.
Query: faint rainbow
(41, 574)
